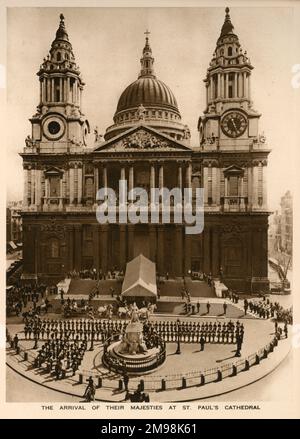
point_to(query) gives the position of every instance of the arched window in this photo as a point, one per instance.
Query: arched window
(54, 248)
(58, 56)
(229, 51)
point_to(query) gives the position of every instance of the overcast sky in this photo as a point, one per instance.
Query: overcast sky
(108, 44)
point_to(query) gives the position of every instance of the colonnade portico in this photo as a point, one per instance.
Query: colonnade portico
(156, 169)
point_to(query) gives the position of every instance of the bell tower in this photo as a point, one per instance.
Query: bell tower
(230, 126)
(234, 157)
(229, 116)
(59, 124)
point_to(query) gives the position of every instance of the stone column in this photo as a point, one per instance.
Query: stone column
(68, 89)
(249, 86)
(71, 185)
(52, 90)
(222, 86)
(180, 175)
(122, 229)
(245, 92)
(205, 184)
(214, 186)
(38, 187)
(219, 85)
(242, 201)
(104, 178)
(226, 86)
(265, 191)
(235, 85)
(217, 183)
(41, 90)
(226, 204)
(131, 178)
(25, 190)
(32, 199)
(211, 88)
(79, 184)
(48, 84)
(122, 173)
(61, 96)
(61, 192)
(255, 187)
(189, 175)
(161, 176)
(152, 176)
(96, 181)
(249, 187)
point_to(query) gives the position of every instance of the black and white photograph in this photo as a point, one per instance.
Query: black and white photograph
(151, 178)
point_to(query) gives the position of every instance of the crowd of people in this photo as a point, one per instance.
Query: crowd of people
(21, 297)
(93, 273)
(61, 356)
(266, 309)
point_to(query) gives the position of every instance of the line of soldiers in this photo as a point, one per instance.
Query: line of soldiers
(100, 330)
(83, 329)
(192, 332)
(61, 356)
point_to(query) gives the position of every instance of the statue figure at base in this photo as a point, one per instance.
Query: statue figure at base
(133, 341)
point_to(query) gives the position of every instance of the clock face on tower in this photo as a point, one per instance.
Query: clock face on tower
(54, 127)
(234, 124)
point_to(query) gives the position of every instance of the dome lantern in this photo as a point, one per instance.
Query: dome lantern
(147, 60)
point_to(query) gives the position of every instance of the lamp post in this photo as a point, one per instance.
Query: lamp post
(178, 351)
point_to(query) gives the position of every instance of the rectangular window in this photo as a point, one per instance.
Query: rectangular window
(54, 186)
(233, 186)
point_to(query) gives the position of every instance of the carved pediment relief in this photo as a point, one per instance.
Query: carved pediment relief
(142, 139)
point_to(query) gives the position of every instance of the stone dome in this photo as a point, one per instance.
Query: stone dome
(149, 91)
(149, 101)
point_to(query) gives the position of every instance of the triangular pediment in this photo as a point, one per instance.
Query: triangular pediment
(141, 138)
(52, 170)
(233, 170)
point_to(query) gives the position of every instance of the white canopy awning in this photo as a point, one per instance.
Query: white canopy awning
(140, 278)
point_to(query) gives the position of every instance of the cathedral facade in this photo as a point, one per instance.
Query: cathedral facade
(148, 146)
